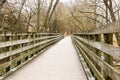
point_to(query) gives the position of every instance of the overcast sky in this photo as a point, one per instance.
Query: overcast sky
(66, 1)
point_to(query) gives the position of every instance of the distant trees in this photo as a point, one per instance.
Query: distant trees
(12, 17)
(2, 3)
(89, 14)
(20, 15)
(60, 18)
(49, 15)
(45, 16)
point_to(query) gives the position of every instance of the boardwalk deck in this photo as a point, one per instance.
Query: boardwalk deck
(58, 63)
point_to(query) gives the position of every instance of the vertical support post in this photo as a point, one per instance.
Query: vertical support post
(34, 36)
(115, 43)
(102, 39)
(114, 40)
(28, 51)
(109, 59)
(10, 49)
(108, 40)
(21, 54)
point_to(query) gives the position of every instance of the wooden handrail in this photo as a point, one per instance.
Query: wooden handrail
(100, 47)
(106, 48)
(20, 47)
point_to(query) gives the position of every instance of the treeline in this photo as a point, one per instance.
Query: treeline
(28, 15)
(90, 14)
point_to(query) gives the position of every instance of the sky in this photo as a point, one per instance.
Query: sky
(64, 1)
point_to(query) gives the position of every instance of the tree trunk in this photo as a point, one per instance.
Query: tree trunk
(38, 16)
(47, 14)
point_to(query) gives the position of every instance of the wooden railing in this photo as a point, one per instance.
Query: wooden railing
(16, 49)
(100, 51)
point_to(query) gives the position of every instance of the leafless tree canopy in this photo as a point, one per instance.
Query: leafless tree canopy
(56, 16)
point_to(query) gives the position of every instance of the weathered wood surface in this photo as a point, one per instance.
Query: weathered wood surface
(7, 64)
(24, 34)
(13, 52)
(19, 48)
(16, 42)
(89, 62)
(109, 70)
(109, 28)
(107, 48)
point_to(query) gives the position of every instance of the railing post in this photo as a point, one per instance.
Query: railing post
(18, 48)
(108, 40)
(114, 40)
(10, 49)
(95, 38)
(20, 37)
(21, 45)
(108, 58)
(29, 51)
(102, 39)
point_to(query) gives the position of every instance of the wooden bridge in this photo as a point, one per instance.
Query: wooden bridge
(92, 55)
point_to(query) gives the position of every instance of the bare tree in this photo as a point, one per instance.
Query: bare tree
(2, 3)
(47, 14)
(108, 4)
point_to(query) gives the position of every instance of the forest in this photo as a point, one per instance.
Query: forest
(56, 16)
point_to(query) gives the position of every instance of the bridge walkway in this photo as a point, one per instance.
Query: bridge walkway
(60, 62)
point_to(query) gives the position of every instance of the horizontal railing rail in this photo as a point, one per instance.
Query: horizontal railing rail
(100, 49)
(16, 49)
(83, 62)
(89, 63)
(107, 48)
(109, 28)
